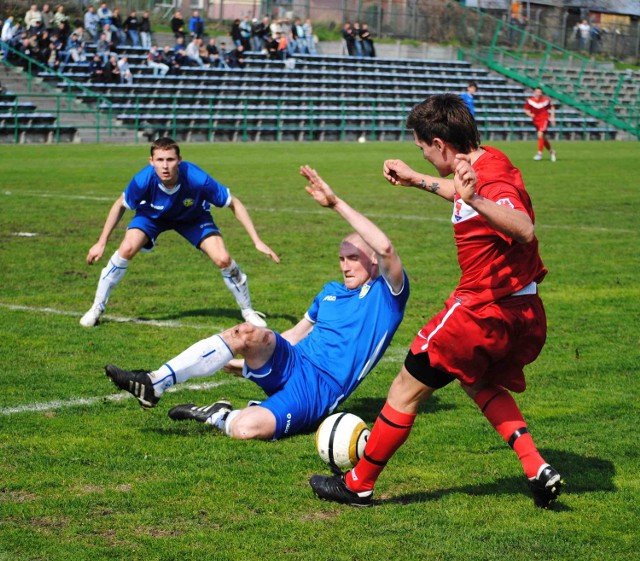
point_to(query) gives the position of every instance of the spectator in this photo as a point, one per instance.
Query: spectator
(74, 49)
(177, 25)
(468, 97)
(111, 71)
(110, 36)
(349, 40)
(154, 61)
(309, 36)
(47, 17)
(283, 46)
(245, 33)
(32, 17)
(180, 54)
(132, 28)
(237, 57)
(193, 51)
(145, 30)
(235, 33)
(96, 69)
(53, 61)
(224, 55)
(7, 35)
(582, 31)
(357, 40)
(126, 76)
(196, 25)
(168, 59)
(213, 54)
(103, 46)
(298, 36)
(117, 25)
(61, 22)
(91, 23)
(271, 46)
(104, 14)
(257, 37)
(367, 41)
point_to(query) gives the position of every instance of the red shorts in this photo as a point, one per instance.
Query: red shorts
(541, 124)
(492, 343)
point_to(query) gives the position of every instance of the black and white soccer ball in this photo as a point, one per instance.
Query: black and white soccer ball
(340, 440)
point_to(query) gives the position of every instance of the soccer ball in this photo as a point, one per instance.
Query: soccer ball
(340, 440)
(362, 139)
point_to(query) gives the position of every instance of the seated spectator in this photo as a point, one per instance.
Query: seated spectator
(283, 46)
(196, 25)
(145, 30)
(271, 46)
(167, 58)
(96, 70)
(131, 27)
(213, 55)
(53, 61)
(180, 54)
(126, 76)
(91, 23)
(237, 58)
(177, 25)
(193, 51)
(74, 49)
(61, 22)
(224, 55)
(154, 61)
(104, 47)
(111, 71)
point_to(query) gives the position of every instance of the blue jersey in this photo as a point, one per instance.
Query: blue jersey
(352, 329)
(469, 102)
(192, 195)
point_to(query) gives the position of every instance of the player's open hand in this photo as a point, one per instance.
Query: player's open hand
(95, 253)
(318, 188)
(264, 248)
(465, 179)
(234, 366)
(397, 172)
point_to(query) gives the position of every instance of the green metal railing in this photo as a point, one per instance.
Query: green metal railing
(66, 103)
(591, 87)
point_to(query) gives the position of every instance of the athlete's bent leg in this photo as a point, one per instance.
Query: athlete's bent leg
(251, 423)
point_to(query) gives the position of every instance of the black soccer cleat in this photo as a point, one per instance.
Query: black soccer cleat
(136, 382)
(333, 488)
(191, 412)
(546, 486)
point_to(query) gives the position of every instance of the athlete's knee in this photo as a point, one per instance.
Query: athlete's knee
(128, 249)
(253, 423)
(221, 261)
(246, 336)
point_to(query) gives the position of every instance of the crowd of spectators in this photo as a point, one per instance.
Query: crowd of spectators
(357, 40)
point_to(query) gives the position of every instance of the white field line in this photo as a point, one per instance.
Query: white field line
(153, 322)
(76, 401)
(411, 217)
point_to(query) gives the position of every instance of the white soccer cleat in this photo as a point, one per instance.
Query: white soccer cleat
(92, 317)
(537, 157)
(553, 156)
(253, 317)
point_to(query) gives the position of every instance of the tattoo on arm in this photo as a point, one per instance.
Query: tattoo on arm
(433, 187)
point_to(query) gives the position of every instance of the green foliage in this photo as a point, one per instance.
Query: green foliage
(91, 476)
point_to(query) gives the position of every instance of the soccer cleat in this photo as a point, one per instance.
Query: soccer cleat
(92, 317)
(210, 414)
(136, 382)
(253, 317)
(333, 488)
(546, 486)
(538, 157)
(553, 156)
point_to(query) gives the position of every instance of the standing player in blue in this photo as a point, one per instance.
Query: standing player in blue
(170, 194)
(310, 369)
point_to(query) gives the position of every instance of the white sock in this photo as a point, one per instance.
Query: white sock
(237, 283)
(203, 358)
(224, 423)
(110, 276)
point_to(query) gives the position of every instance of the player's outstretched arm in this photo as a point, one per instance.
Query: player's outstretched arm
(511, 222)
(397, 172)
(242, 215)
(114, 216)
(388, 260)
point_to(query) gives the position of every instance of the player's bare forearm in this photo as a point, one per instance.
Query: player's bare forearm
(242, 216)
(113, 218)
(298, 332)
(397, 172)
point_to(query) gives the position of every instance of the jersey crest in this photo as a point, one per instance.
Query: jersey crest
(462, 211)
(187, 203)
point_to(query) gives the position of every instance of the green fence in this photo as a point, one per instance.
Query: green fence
(575, 80)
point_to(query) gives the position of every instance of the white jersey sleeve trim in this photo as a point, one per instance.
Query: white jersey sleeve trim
(306, 316)
(391, 288)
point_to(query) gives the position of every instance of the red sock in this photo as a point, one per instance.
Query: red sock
(389, 432)
(501, 410)
(540, 144)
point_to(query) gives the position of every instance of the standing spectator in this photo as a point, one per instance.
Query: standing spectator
(159, 194)
(309, 36)
(358, 39)
(7, 35)
(493, 324)
(154, 61)
(196, 25)
(540, 110)
(104, 14)
(126, 76)
(91, 23)
(257, 40)
(145, 30)
(468, 97)
(245, 33)
(47, 18)
(297, 34)
(32, 17)
(236, 33)
(583, 33)
(367, 41)
(61, 23)
(132, 28)
(177, 25)
(349, 40)
(117, 25)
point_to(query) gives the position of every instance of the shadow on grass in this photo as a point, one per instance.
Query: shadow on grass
(581, 474)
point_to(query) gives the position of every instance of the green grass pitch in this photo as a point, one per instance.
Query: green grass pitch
(86, 475)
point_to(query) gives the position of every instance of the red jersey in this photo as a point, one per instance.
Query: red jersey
(539, 108)
(493, 265)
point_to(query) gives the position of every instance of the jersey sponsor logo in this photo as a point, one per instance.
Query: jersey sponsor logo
(505, 202)
(329, 299)
(188, 202)
(157, 207)
(462, 211)
(288, 425)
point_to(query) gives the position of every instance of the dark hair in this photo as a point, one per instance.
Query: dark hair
(165, 143)
(447, 117)
(473, 85)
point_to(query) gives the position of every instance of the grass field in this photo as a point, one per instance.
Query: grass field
(86, 474)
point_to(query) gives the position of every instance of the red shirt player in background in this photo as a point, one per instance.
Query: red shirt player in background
(492, 325)
(540, 109)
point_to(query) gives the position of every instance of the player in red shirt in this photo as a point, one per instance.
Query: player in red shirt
(541, 111)
(492, 325)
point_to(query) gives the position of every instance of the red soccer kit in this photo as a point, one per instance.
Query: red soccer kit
(540, 109)
(484, 331)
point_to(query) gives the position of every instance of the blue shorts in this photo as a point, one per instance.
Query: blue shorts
(299, 394)
(194, 231)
